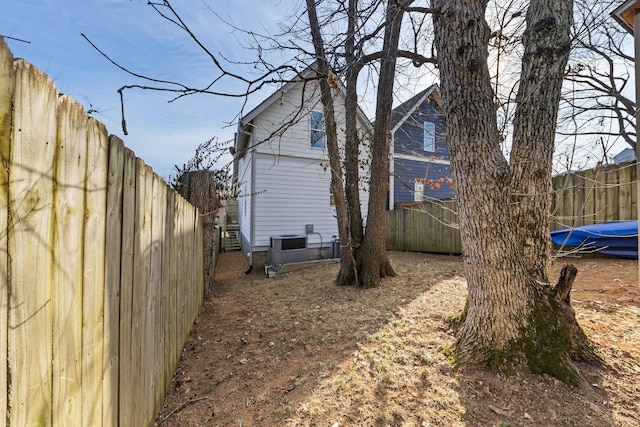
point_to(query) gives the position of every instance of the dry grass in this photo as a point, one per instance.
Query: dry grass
(296, 350)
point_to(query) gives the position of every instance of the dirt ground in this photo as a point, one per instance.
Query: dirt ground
(296, 350)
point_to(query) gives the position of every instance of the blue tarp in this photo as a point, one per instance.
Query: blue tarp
(611, 238)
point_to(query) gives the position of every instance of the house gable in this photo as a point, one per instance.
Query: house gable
(419, 151)
(281, 124)
(409, 126)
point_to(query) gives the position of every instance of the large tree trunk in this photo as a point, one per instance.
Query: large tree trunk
(348, 271)
(375, 263)
(547, 43)
(510, 320)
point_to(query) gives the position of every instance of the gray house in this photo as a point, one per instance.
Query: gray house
(419, 155)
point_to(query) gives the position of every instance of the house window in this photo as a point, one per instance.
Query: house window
(318, 130)
(429, 136)
(418, 190)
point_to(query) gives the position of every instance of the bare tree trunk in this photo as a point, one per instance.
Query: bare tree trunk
(351, 156)
(348, 273)
(547, 43)
(199, 189)
(375, 263)
(510, 320)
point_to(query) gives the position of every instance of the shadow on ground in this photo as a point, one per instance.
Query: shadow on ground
(298, 350)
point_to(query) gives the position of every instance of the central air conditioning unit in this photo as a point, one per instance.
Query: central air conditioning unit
(287, 248)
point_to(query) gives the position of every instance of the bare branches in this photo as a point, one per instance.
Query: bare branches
(275, 75)
(15, 39)
(599, 99)
(417, 9)
(140, 76)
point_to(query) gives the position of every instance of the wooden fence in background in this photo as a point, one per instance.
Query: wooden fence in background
(100, 265)
(593, 196)
(425, 227)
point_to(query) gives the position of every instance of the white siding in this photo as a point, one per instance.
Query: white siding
(292, 179)
(292, 192)
(244, 200)
(283, 129)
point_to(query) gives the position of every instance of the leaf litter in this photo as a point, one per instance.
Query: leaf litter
(297, 350)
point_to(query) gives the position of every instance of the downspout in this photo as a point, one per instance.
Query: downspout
(252, 221)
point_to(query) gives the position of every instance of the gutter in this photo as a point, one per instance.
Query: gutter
(252, 221)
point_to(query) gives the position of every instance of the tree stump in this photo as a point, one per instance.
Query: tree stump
(565, 282)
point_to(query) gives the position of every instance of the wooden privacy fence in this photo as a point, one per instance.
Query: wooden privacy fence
(100, 265)
(594, 196)
(425, 227)
(588, 197)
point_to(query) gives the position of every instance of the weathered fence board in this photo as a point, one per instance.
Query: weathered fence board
(162, 379)
(155, 334)
(6, 99)
(30, 209)
(587, 214)
(179, 255)
(624, 196)
(139, 303)
(200, 269)
(92, 298)
(68, 246)
(127, 351)
(600, 195)
(175, 347)
(612, 195)
(169, 276)
(148, 315)
(113, 248)
(94, 267)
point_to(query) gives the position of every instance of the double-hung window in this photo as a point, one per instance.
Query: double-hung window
(318, 130)
(429, 136)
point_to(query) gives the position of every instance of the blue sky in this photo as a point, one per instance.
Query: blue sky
(163, 134)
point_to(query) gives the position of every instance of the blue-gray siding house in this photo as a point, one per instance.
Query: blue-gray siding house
(419, 155)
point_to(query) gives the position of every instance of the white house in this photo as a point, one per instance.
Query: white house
(282, 169)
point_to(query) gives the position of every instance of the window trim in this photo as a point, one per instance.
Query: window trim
(320, 142)
(429, 129)
(418, 190)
